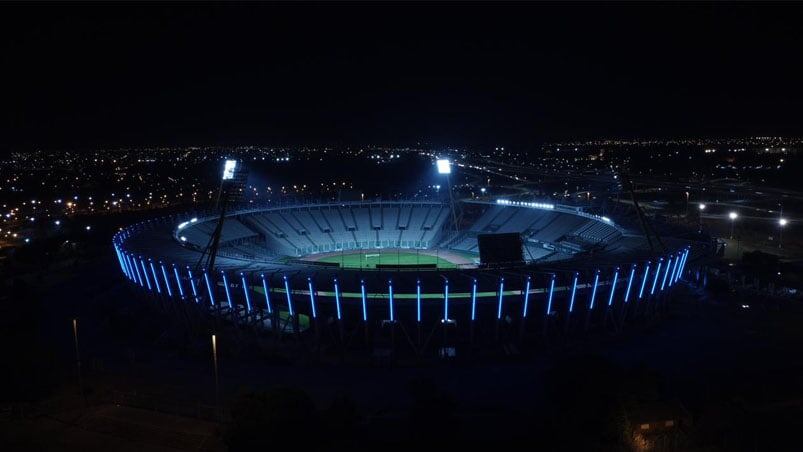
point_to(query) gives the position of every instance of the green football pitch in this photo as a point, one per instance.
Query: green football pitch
(363, 259)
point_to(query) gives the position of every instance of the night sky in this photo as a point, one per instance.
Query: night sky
(441, 75)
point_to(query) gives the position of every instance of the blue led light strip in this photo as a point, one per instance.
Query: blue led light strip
(657, 272)
(526, 299)
(145, 272)
(418, 300)
(289, 297)
(390, 299)
(613, 286)
(312, 298)
(155, 277)
(666, 273)
(178, 282)
(551, 291)
(446, 300)
(630, 282)
(209, 289)
(195, 296)
(594, 291)
(501, 295)
(364, 307)
(644, 279)
(337, 299)
(474, 300)
(245, 292)
(267, 294)
(226, 287)
(574, 290)
(167, 281)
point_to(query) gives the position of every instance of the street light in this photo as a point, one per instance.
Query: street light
(733, 216)
(700, 227)
(781, 223)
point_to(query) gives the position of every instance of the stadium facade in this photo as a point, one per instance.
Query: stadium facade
(283, 270)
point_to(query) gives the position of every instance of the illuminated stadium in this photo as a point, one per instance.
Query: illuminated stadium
(405, 276)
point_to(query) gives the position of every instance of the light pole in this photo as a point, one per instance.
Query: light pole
(445, 167)
(217, 384)
(700, 226)
(733, 216)
(78, 358)
(781, 223)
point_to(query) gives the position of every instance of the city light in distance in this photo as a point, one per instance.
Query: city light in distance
(733, 215)
(783, 221)
(702, 206)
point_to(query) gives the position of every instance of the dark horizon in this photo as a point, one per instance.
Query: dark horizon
(93, 76)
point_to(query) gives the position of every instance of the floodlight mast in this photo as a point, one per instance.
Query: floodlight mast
(445, 167)
(231, 182)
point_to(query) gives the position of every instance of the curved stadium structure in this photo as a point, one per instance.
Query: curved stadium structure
(399, 271)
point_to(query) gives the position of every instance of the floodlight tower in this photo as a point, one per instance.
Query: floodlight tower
(231, 189)
(445, 167)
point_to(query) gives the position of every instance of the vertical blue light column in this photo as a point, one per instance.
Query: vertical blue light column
(666, 272)
(226, 287)
(644, 279)
(178, 282)
(312, 298)
(390, 300)
(194, 288)
(526, 298)
(209, 290)
(418, 300)
(574, 291)
(630, 282)
(613, 286)
(145, 272)
(551, 291)
(474, 300)
(362, 296)
(155, 277)
(594, 291)
(337, 300)
(446, 300)
(501, 297)
(167, 281)
(267, 294)
(245, 292)
(289, 296)
(657, 273)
